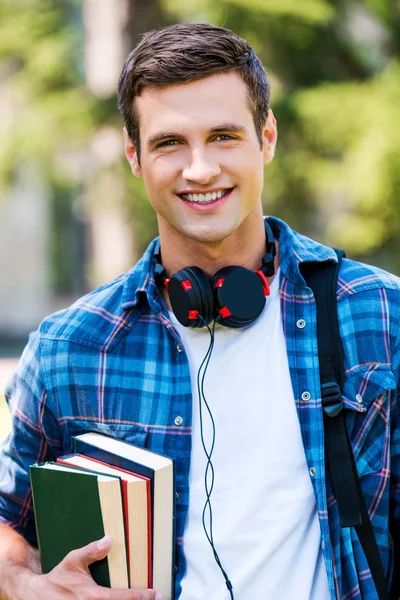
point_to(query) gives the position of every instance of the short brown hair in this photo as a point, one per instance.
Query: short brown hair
(189, 52)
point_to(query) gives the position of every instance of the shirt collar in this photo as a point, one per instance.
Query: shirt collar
(295, 249)
(140, 285)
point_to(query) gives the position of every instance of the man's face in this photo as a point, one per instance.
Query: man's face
(200, 156)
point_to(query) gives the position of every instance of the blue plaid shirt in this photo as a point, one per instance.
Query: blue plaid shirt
(113, 363)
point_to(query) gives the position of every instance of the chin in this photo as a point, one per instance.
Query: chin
(207, 235)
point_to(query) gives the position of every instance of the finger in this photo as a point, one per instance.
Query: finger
(83, 557)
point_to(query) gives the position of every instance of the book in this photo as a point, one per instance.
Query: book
(73, 508)
(137, 515)
(160, 470)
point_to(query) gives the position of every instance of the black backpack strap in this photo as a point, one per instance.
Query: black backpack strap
(322, 279)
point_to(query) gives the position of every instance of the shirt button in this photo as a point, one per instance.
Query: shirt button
(306, 396)
(301, 323)
(176, 495)
(313, 471)
(178, 420)
(359, 398)
(179, 347)
(323, 545)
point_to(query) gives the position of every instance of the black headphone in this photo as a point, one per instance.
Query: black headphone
(235, 296)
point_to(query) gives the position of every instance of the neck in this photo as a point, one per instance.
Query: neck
(245, 247)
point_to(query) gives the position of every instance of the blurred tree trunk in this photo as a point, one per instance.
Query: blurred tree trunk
(144, 15)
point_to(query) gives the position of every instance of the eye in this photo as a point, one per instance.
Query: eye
(167, 143)
(222, 137)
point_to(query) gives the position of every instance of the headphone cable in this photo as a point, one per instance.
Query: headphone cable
(208, 453)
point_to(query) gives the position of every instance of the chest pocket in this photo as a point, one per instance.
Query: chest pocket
(366, 398)
(133, 434)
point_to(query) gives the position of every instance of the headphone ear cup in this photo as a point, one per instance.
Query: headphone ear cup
(238, 295)
(191, 295)
(206, 293)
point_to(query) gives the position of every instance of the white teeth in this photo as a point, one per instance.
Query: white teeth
(203, 198)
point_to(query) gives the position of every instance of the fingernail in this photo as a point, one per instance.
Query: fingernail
(103, 542)
(158, 596)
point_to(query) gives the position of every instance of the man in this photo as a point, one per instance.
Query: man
(199, 130)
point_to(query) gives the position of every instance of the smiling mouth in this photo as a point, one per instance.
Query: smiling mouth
(205, 198)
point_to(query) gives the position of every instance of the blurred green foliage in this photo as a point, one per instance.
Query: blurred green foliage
(334, 66)
(41, 73)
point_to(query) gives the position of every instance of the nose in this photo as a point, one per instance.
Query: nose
(202, 169)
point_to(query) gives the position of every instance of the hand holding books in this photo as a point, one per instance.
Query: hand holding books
(72, 579)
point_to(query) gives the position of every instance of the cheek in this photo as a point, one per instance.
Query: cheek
(253, 178)
(164, 170)
(250, 169)
(155, 177)
(160, 183)
(247, 158)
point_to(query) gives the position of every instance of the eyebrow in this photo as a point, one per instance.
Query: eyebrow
(231, 127)
(167, 135)
(163, 135)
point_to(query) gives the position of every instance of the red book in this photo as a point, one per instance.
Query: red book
(137, 515)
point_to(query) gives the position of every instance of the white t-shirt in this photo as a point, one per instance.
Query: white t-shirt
(265, 523)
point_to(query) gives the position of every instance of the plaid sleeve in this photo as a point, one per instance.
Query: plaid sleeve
(394, 516)
(395, 460)
(395, 417)
(33, 428)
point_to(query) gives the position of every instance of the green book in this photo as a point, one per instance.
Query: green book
(73, 508)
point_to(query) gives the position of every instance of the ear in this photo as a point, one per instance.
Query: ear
(131, 155)
(270, 135)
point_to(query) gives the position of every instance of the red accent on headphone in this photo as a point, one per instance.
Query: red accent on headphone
(220, 282)
(193, 314)
(166, 283)
(265, 283)
(186, 285)
(224, 312)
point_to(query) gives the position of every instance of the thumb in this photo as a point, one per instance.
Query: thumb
(103, 547)
(85, 556)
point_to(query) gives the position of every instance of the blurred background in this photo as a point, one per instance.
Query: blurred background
(71, 214)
